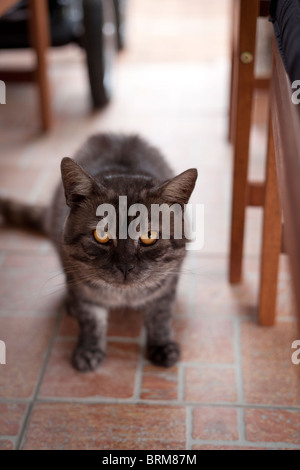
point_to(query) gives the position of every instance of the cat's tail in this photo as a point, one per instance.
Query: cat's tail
(22, 215)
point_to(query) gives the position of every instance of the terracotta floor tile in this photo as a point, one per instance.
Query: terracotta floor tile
(213, 292)
(185, 288)
(45, 192)
(115, 377)
(215, 423)
(19, 241)
(18, 184)
(26, 340)
(124, 323)
(48, 262)
(146, 45)
(268, 373)
(272, 426)
(6, 445)
(285, 296)
(31, 284)
(210, 384)
(69, 327)
(159, 384)
(182, 304)
(11, 416)
(112, 427)
(207, 340)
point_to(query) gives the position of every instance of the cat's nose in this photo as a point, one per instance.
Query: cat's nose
(125, 268)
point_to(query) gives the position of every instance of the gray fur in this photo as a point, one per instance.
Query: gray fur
(108, 166)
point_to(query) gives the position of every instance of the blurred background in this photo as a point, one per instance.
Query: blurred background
(160, 69)
(165, 75)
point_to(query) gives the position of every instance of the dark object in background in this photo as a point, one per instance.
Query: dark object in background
(285, 16)
(120, 9)
(95, 25)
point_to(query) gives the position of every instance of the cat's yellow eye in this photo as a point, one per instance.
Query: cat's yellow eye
(149, 238)
(101, 237)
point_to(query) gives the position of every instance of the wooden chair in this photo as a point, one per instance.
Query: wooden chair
(243, 84)
(246, 193)
(282, 194)
(40, 39)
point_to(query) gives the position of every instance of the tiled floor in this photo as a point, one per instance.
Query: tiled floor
(235, 387)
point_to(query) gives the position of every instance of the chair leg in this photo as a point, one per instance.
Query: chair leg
(40, 38)
(272, 240)
(244, 77)
(233, 84)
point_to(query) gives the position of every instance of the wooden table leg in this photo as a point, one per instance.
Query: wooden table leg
(40, 38)
(244, 77)
(272, 237)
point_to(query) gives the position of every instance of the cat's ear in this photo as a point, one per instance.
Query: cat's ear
(178, 189)
(77, 183)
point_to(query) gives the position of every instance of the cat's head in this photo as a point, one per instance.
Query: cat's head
(138, 259)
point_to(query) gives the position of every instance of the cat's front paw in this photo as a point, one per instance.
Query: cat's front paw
(86, 359)
(165, 355)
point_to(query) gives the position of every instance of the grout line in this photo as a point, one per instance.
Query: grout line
(138, 379)
(7, 436)
(19, 401)
(16, 313)
(216, 316)
(290, 319)
(12, 439)
(208, 366)
(189, 427)
(241, 424)
(140, 366)
(269, 445)
(22, 423)
(39, 380)
(110, 339)
(181, 384)
(23, 313)
(238, 360)
(171, 403)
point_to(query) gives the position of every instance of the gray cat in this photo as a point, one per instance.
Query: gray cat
(102, 272)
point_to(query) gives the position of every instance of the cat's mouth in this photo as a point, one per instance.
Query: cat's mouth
(128, 282)
(125, 282)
